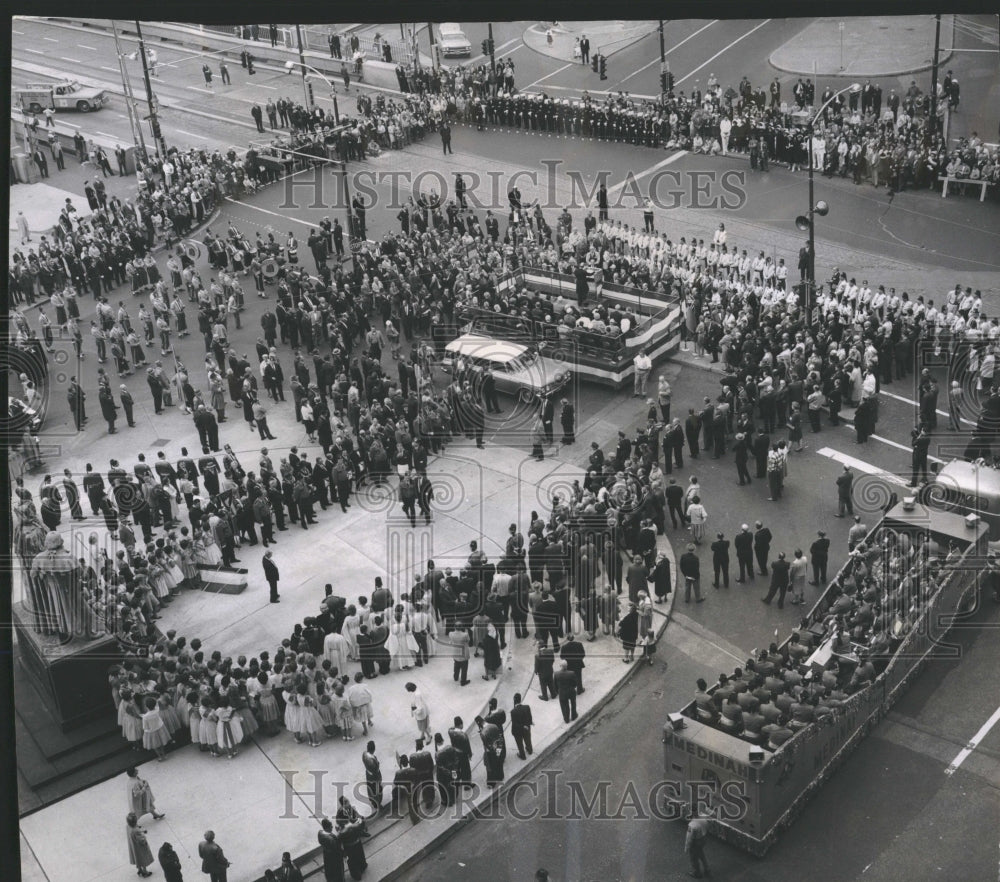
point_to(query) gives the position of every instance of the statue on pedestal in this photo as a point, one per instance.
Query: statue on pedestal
(57, 592)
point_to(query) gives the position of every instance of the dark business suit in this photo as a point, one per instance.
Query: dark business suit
(520, 729)
(271, 574)
(213, 861)
(779, 582)
(565, 682)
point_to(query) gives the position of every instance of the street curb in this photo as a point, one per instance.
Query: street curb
(493, 796)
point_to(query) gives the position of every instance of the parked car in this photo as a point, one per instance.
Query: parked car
(517, 369)
(63, 95)
(453, 40)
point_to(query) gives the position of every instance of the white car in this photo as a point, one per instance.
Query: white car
(453, 40)
(517, 369)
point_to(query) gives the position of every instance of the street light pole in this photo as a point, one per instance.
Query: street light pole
(820, 208)
(302, 62)
(333, 89)
(493, 59)
(133, 115)
(154, 121)
(435, 61)
(350, 216)
(931, 129)
(663, 60)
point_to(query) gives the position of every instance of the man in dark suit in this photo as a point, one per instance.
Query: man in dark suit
(779, 580)
(213, 861)
(573, 653)
(744, 552)
(675, 496)
(692, 426)
(762, 546)
(720, 560)
(520, 727)
(819, 551)
(565, 683)
(460, 741)
(602, 202)
(271, 574)
(404, 788)
(93, 486)
(690, 567)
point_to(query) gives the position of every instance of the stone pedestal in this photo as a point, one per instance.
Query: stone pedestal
(71, 677)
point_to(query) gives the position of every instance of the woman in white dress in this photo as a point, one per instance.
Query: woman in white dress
(401, 643)
(349, 630)
(154, 733)
(336, 650)
(229, 730)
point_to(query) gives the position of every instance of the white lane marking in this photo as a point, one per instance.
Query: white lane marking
(643, 174)
(860, 465)
(106, 135)
(891, 443)
(286, 217)
(973, 743)
(913, 403)
(33, 51)
(671, 49)
(19, 33)
(112, 69)
(264, 86)
(85, 46)
(720, 52)
(50, 39)
(192, 134)
(71, 60)
(547, 76)
(199, 89)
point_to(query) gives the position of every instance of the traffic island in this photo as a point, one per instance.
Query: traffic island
(880, 46)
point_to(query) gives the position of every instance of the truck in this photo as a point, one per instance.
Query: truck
(61, 95)
(750, 791)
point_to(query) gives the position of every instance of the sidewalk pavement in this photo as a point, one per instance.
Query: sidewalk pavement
(876, 46)
(606, 37)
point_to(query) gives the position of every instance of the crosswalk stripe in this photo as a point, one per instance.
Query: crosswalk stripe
(860, 465)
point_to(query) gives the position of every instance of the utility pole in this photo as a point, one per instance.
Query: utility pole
(302, 67)
(663, 61)
(493, 59)
(133, 115)
(154, 122)
(931, 129)
(434, 54)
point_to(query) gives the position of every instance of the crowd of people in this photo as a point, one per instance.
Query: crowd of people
(871, 137)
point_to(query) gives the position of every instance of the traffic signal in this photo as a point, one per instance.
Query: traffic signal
(670, 82)
(593, 61)
(154, 124)
(486, 47)
(604, 68)
(309, 89)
